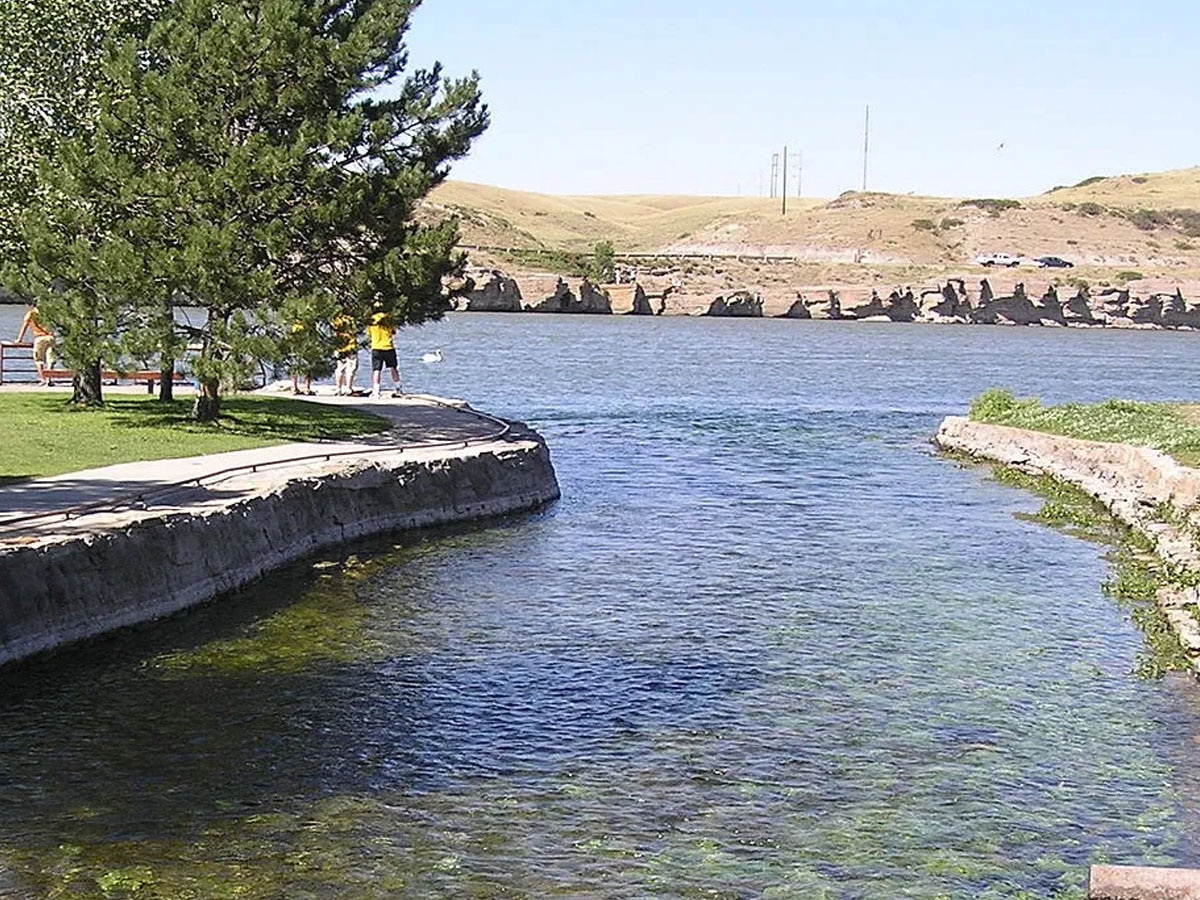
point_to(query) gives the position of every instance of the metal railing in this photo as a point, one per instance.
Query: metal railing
(9, 354)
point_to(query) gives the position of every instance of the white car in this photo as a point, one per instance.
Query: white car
(998, 259)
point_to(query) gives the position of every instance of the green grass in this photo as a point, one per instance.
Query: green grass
(1162, 426)
(44, 435)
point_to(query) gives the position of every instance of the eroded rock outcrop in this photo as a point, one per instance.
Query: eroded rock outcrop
(946, 303)
(628, 300)
(999, 299)
(585, 298)
(1015, 309)
(488, 291)
(739, 304)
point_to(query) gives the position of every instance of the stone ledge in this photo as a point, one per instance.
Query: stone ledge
(1141, 883)
(75, 586)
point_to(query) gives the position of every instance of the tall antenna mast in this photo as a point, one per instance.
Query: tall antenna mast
(866, 145)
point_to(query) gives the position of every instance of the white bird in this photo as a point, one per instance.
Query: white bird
(434, 357)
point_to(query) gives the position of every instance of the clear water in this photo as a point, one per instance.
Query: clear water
(769, 644)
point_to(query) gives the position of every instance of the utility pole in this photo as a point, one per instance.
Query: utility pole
(866, 145)
(774, 172)
(799, 172)
(783, 193)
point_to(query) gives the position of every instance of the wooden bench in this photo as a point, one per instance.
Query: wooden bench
(150, 377)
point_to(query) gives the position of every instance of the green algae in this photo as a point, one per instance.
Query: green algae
(327, 623)
(1137, 572)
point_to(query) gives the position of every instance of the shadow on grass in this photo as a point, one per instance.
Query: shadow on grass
(14, 479)
(265, 418)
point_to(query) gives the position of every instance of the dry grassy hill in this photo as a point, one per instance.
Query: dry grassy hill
(1118, 227)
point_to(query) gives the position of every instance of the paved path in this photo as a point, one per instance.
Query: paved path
(121, 493)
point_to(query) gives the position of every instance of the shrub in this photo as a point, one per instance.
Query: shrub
(602, 268)
(1129, 275)
(924, 225)
(1088, 181)
(993, 207)
(1147, 219)
(1139, 179)
(1187, 220)
(947, 223)
(1090, 209)
(1184, 245)
(999, 405)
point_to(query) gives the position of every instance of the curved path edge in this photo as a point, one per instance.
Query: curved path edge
(1143, 488)
(137, 565)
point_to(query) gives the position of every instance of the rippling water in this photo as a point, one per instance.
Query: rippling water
(769, 644)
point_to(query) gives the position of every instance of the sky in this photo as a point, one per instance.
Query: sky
(967, 98)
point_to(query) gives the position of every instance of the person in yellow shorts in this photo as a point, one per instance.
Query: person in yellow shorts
(43, 344)
(345, 336)
(381, 333)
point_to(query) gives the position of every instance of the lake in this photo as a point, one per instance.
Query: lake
(768, 644)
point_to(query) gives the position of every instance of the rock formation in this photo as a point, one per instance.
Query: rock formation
(998, 299)
(628, 300)
(740, 304)
(586, 299)
(488, 291)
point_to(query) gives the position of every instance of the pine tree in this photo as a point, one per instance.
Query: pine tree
(260, 159)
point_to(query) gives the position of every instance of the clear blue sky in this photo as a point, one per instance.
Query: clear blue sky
(668, 96)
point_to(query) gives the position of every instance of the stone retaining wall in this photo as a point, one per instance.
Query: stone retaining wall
(62, 589)
(1146, 489)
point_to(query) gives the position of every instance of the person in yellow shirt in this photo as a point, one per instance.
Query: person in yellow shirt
(345, 336)
(43, 344)
(381, 333)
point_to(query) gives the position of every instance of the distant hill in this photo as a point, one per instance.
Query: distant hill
(1147, 223)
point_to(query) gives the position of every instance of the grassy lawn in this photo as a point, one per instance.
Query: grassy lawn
(44, 435)
(1173, 428)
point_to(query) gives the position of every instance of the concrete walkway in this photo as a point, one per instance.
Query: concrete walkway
(96, 499)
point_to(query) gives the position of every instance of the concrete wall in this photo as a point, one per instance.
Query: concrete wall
(64, 589)
(1144, 488)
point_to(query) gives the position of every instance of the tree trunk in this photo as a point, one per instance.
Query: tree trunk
(86, 386)
(166, 383)
(208, 402)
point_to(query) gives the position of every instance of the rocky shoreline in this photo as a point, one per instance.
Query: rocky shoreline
(1143, 488)
(1000, 299)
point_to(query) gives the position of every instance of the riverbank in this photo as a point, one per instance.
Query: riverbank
(1143, 488)
(769, 289)
(158, 537)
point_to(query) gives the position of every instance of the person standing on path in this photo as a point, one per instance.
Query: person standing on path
(381, 333)
(345, 336)
(43, 344)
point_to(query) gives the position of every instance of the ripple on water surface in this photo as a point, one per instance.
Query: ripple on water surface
(768, 644)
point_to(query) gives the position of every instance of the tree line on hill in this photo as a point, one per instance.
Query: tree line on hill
(259, 159)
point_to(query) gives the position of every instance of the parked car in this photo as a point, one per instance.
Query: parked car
(1054, 262)
(998, 259)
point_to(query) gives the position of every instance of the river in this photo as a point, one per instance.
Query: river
(769, 644)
